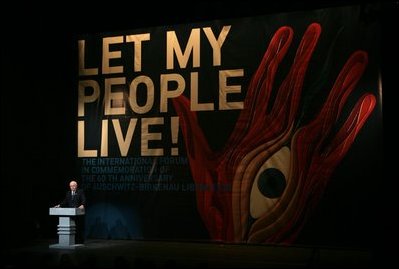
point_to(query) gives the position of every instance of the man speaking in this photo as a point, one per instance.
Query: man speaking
(75, 198)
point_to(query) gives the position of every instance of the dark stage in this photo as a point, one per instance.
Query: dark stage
(167, 254)
(39, 106)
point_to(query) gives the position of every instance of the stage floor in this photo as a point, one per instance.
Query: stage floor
(167, 254)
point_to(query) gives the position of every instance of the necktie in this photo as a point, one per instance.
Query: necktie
(73, 193)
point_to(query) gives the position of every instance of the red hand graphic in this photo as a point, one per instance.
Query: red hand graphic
(277, 172)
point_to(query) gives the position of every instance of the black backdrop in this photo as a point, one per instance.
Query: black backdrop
(39, 64)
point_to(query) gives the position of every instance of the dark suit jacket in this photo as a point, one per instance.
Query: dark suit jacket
(74, 200)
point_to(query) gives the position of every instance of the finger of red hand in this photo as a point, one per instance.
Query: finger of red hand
(193, 135)
(343, 86)
(198, 151)
(261, 84)
(349, 130)
(288, 96)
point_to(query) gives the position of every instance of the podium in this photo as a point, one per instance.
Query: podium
(66, 226)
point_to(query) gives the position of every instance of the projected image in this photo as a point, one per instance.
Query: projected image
(273, 169)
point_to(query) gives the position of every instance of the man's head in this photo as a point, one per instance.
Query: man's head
(73, 185)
